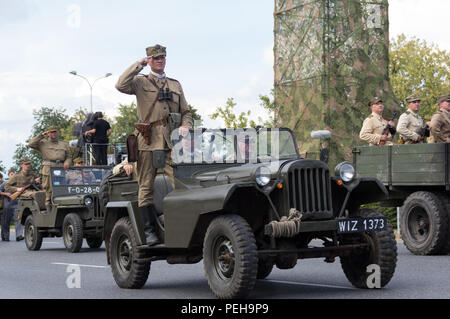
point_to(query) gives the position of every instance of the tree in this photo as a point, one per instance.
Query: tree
(418, 68)
(123, 124)
(230, 118)
(2, 167)
(196, 117)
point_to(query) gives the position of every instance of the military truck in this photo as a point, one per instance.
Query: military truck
(245, 205)
(417, 179)
(75, 213)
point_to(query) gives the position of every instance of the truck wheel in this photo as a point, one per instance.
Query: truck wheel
(230, 257)
(123, 253)
(73, 232)
(94, 241)
(33, 238)
(381, 251)
(424, 224)
(264, 270)
(446, 202)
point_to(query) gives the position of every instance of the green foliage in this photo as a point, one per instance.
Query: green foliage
(123, 124)
(227, 114)
(268, 103)
(47, 116)
(418, 68)
(198, 121)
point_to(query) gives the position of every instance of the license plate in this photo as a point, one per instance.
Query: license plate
(357, 225)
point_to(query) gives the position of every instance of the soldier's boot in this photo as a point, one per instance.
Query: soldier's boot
(149, 219)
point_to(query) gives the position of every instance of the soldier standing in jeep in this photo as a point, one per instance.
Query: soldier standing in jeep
(161, 107)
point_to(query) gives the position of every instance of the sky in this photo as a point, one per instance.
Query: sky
(216, 49)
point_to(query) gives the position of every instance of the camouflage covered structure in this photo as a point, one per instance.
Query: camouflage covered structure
(331, 57)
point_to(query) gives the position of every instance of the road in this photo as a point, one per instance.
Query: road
(53, 273)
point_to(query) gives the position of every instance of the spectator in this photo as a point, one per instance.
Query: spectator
(101, 131)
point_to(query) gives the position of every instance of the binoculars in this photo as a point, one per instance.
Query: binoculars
(165, 95)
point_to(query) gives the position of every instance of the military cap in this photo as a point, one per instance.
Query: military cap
(155, 51)
(412, 98)
(52, 128)
(443, 98)
(25, 160)
(375, 100)
(78, 160)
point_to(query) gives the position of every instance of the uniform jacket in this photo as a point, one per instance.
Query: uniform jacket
(372, 129)
(146, 89)
(440, 126)
(409, 124)
(50, 150)
(19, 180)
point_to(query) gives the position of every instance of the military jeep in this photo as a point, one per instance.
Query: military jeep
(75, 212)
(243, 202)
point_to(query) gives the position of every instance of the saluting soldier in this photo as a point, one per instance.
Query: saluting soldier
(55, 153)
(410, 122)
(157, 96)
(374, 124)
(440, 122)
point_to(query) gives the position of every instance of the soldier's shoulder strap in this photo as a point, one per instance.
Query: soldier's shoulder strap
(172, 79)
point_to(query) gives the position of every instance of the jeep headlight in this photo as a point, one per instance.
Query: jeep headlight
(88, 201)
(345, 171)
(262, 176)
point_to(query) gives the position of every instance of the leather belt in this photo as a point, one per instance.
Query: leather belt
(54, 161)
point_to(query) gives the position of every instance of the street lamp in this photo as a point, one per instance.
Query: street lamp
(90, 85)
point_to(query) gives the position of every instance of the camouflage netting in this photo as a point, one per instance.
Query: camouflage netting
(331, 58)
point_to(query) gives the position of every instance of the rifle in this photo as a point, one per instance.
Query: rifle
(17, 194)
(388, 129)
(424, 132)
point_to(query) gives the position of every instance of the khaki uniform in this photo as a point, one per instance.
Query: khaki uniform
(54, 154)
(440, 126)
(372, 129)
(408, 125)
(21, 180)
(149, 110)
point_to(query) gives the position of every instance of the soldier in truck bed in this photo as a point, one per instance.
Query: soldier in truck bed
(410, 122)
(440, 122)
(374, 124)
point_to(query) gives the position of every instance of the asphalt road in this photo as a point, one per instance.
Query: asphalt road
(53, 273)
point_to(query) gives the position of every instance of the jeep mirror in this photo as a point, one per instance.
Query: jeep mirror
(323, 134)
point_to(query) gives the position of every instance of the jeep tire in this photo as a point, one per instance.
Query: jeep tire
(33, 238)
(381, 251)
(127, 271)
(424, 224)
(73, 232)
(230, 257)
(94, 241)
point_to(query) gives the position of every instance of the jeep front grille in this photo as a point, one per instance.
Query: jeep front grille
(309, 189)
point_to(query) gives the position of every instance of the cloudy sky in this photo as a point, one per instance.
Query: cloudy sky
(216, 49)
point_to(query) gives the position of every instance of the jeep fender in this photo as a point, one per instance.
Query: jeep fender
(183, 207)
(117, 210)
(360, 191)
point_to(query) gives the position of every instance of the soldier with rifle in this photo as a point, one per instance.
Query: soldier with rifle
(20, 184)
(410, 124)
(376, 130)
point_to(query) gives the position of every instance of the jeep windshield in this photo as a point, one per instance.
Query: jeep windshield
(76, 176)
(250, 145)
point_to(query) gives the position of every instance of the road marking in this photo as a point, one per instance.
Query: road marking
(80, 265)
(308, 284)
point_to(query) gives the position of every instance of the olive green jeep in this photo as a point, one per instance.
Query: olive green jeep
(243, 202)
(75, 212)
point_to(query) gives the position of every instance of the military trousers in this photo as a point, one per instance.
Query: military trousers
(47, 187)
(147, 174)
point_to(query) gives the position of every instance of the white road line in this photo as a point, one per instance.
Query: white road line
(308, 284)
(80, 265)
